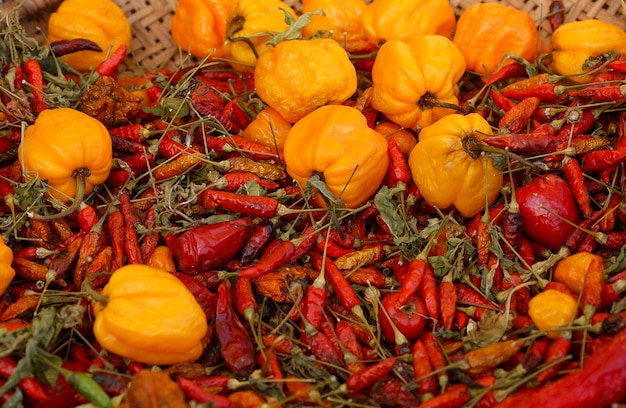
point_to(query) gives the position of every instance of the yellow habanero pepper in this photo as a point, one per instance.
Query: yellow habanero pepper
(268, 128)
(298, 76)
(249, 25)
(404, 20)
(485, 32)
(199, 26)
(7, 273)
(447, 172)
(573, 43)
(551, 309)
(101, 21)
(412, 80)
(149, 315)
(342, 18)
(69, 149)
(335, 142)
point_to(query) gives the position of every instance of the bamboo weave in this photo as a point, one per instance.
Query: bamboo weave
(153, 47)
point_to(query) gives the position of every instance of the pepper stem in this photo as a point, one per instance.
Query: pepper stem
(429, 101)
(80, 176)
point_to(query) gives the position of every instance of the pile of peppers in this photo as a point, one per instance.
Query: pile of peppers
(407, 223)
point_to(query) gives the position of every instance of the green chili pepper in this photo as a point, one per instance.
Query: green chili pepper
(90, 389)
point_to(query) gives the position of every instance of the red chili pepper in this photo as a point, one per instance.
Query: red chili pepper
(570, 130)
(600, 160)
(556, 14)
(412, 280)
(615, 240)
(617, 65)
(455, 396)
(344, 291)
(609, 218)
(483, 239)
(353, 355)
(399, 171)
(436, 357)
(135, 132)
(422, 369)
(248, 205)
(205, 298)
(152, 238)
(64, 47)
(245, 302)
(471, 297)
(109, 66)
(516, 119)
(535, 354)
(429, 291)
(575, 178)
(558, 349)
(131, 241)
(313, 303)
(508, 71)
(29, 385)
(447, 299)
(281, 255)
(370, 375)
(236, 180)
(87, 217)
(591, 296)
(237, 349)
(34, 77)
(115, 228)
(500, 101)
(210, 246)
(540, 140)
(546, 92)
(600, 93)
(241, 145)
(259, 237)
(196, 393)
(118, 178)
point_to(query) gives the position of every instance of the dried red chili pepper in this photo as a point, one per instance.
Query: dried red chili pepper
(609, 218)
(29, 385)
(152, 238)
(370, 375)
(237, 349)
(575, 178)
(34, 78)
(491, 356)
(205, 298)
(234, 181)
(136, 132)
(429, 291)
(124, 145)
(248, 205)
(558, 349)
(447, 299)
(600, 160)
(353, 354)
(109, 66)
(508, 71)
(87, 217)
(500, 101)
(245, 303)
(556, 14)
(281, 255)
(241, 145)
(422, 369)
(140, 162)
(100, 263)
(483, 239)
(398, 171)
(259, 237)
(436, 357)
(541, 140)
(600, 93)
(115, 228)
(546, 92)
(131, 241)
(578, 122)
(412, 280)
(516, 119)
(535, 354)
(176, 167)
(455, 396)
(196, 393)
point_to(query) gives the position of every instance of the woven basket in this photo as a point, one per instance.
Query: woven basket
(153, 46)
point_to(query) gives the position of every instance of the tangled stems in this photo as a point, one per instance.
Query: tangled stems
(80, 176)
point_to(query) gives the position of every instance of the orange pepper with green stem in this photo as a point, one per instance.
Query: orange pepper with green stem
(404, 20)
(447, 172)
(336, 143)
(415, 83)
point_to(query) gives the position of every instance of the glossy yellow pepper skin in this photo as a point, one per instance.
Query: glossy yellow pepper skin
(404, 20)
(446, 174)
(150, 316)
(7, 273)
(336, 142)
(405, 75)
(298, 76)
(551, 309)
(61, 142)
(342, 18)
(485, 32)
(573, 43)
(101, 21)
(252, 19)
(199, 26)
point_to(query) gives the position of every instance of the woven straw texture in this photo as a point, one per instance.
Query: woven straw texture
(150, 20)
